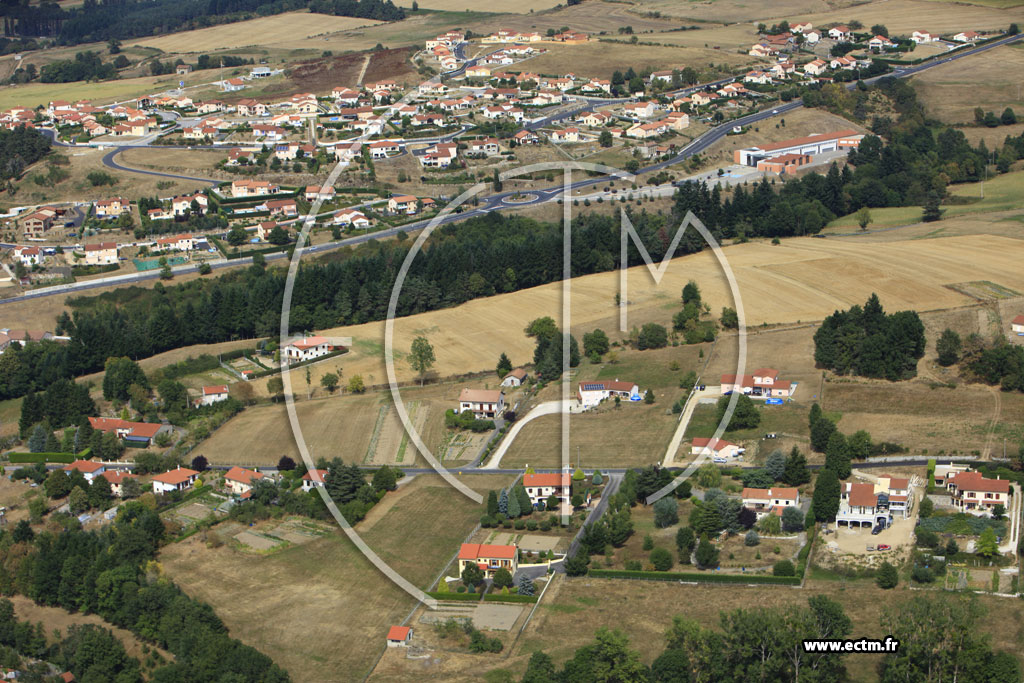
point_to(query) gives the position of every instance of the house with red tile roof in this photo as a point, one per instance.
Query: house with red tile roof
(179, 479)
(1017, 324)
(239, 480)
(770, 501)
(719, 449)
(763, 383)
(89, 468)
(974, 493)
(212, 394)
(136, 432)
(483, 403)
(590, 394)
(311, 481)
(306, 348)
(489, 558)
(541, 486)
(117, 478)
(399, 636)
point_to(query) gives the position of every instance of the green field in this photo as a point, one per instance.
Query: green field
(1002, 193)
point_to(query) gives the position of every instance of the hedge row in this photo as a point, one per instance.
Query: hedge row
(290, 194)
(275, 371)
(32, 458)
(475, 597)
(690, 576)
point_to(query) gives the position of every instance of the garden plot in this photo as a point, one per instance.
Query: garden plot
(462, 445)
(485, 616)
(390, 442)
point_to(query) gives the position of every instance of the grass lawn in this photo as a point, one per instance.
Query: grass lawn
(790, 418)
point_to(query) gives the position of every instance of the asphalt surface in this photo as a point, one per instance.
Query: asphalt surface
(497, 202)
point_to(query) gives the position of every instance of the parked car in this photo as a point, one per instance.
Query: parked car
(771, 435)
(885, 546)
(878, 529)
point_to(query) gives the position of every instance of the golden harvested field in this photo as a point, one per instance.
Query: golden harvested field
(324, 596)
(356, 428)
(726, 37)
(798, 280)
(600, 60)
(736, 10)
(283, 30)
(798, 123)
(906, 16)
(591, 17)
(993, 137)
(992, 80)
(509, 6)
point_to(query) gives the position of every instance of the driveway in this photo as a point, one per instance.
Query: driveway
(684, 421)
(614, 480)
(546, 408)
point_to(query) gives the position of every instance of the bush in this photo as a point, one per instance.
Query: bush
(751, 539)
(666, 512)
(922, 574)
(887, 576)
(545, 525)
(531, 525)
(927, 539)
(520, 524)
(661, 558)
(783, 568)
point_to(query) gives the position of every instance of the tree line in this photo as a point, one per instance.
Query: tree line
(938, 640)
(379, 10)
(86, 66)
(111, 572)
(485, 255)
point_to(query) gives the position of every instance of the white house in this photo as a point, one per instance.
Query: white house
(542, 486)
(117, 478)
(966, 36)
(304, 349)
(212, 394)
(29, 256)
(1017, 324)
(240, 481)
(770, 501)
(590, 394)
(309, 482)
(974, 493)
(842, 34)
(764, 383)
(514, 378)
(179, 479)
(484, 403)
(104, 253)
(89, 469)
(923, 37)
(719, 449)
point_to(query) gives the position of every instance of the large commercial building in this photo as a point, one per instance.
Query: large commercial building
(812, 144)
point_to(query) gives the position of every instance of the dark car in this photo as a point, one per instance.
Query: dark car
(878, 529)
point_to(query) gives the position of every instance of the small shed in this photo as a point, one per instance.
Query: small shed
(399, 636)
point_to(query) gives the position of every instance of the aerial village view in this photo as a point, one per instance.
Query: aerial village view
(618, 341)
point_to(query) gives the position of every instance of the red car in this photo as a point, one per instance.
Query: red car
(885, 546)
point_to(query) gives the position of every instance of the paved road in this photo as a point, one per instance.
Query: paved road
(602, 505)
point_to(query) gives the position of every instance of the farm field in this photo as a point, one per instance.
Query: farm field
(282, 30)
(590, 17)
(197, 162)
(802, 279)
(993, 81)
(503, 6)
(357, 428)
(315, 590)
(600, 60)
(906, 16)
(726, 37)
(734, 10)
